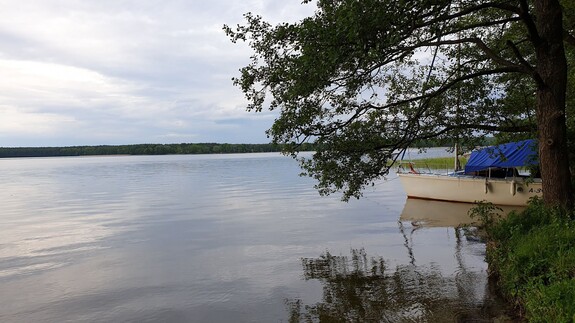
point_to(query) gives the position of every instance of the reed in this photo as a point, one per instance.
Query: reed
(436, 163)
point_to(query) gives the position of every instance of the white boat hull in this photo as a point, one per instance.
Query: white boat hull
(469, 189)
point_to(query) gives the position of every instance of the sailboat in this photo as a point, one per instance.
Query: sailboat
(490, 175)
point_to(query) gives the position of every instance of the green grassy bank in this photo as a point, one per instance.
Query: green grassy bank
(532, 256)
(437, 163)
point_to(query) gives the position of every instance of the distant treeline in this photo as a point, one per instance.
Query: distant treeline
(143, 149)
(166, 149)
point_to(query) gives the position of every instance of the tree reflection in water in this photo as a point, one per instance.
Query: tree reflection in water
(358, 288)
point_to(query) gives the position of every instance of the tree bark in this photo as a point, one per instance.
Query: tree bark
(551, 78)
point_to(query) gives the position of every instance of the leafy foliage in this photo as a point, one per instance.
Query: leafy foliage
(487, 213)
(364, 79)
(533, 255)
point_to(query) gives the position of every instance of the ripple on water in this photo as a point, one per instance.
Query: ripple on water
(220, 238)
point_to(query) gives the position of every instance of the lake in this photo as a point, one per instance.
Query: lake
(223, 238)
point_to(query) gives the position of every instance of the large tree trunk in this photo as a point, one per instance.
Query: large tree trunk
(551, 91)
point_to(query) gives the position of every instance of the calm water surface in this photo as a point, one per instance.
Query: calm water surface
(221, 238)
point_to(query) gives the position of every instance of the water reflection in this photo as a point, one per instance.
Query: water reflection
(214, 238)
(442, 214)
(361, 288)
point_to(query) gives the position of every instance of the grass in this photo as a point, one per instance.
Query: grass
(437, 163)
(532, 255)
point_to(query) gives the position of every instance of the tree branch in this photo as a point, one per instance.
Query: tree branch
(404, 143)
(511, 129)
(446, 87)
(529, 22)
(517, 54)
(490, 23)
(481, 45)
(472, 9)
(496, 58)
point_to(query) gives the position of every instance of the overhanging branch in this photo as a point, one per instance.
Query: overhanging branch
(469, 10)
(518, 55)
(480, 44)
(446, 87)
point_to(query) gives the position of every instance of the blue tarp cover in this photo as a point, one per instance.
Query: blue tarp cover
(513, 154)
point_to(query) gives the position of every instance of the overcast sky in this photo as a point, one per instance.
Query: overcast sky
(89, 72)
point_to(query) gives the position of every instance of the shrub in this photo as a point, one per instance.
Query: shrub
(552, 303)
(532, 254)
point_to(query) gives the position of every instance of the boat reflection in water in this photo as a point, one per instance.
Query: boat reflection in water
(362, 288)
(433, 213)
(435, 285)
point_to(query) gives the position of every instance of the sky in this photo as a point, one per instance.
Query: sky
(109, 72)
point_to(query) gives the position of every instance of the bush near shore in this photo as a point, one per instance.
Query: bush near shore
(532, 256)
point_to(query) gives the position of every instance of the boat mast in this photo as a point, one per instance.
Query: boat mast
(457, 166)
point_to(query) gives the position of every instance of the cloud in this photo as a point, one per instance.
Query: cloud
(112, 72)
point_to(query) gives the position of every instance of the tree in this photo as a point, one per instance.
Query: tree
(366, 78)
